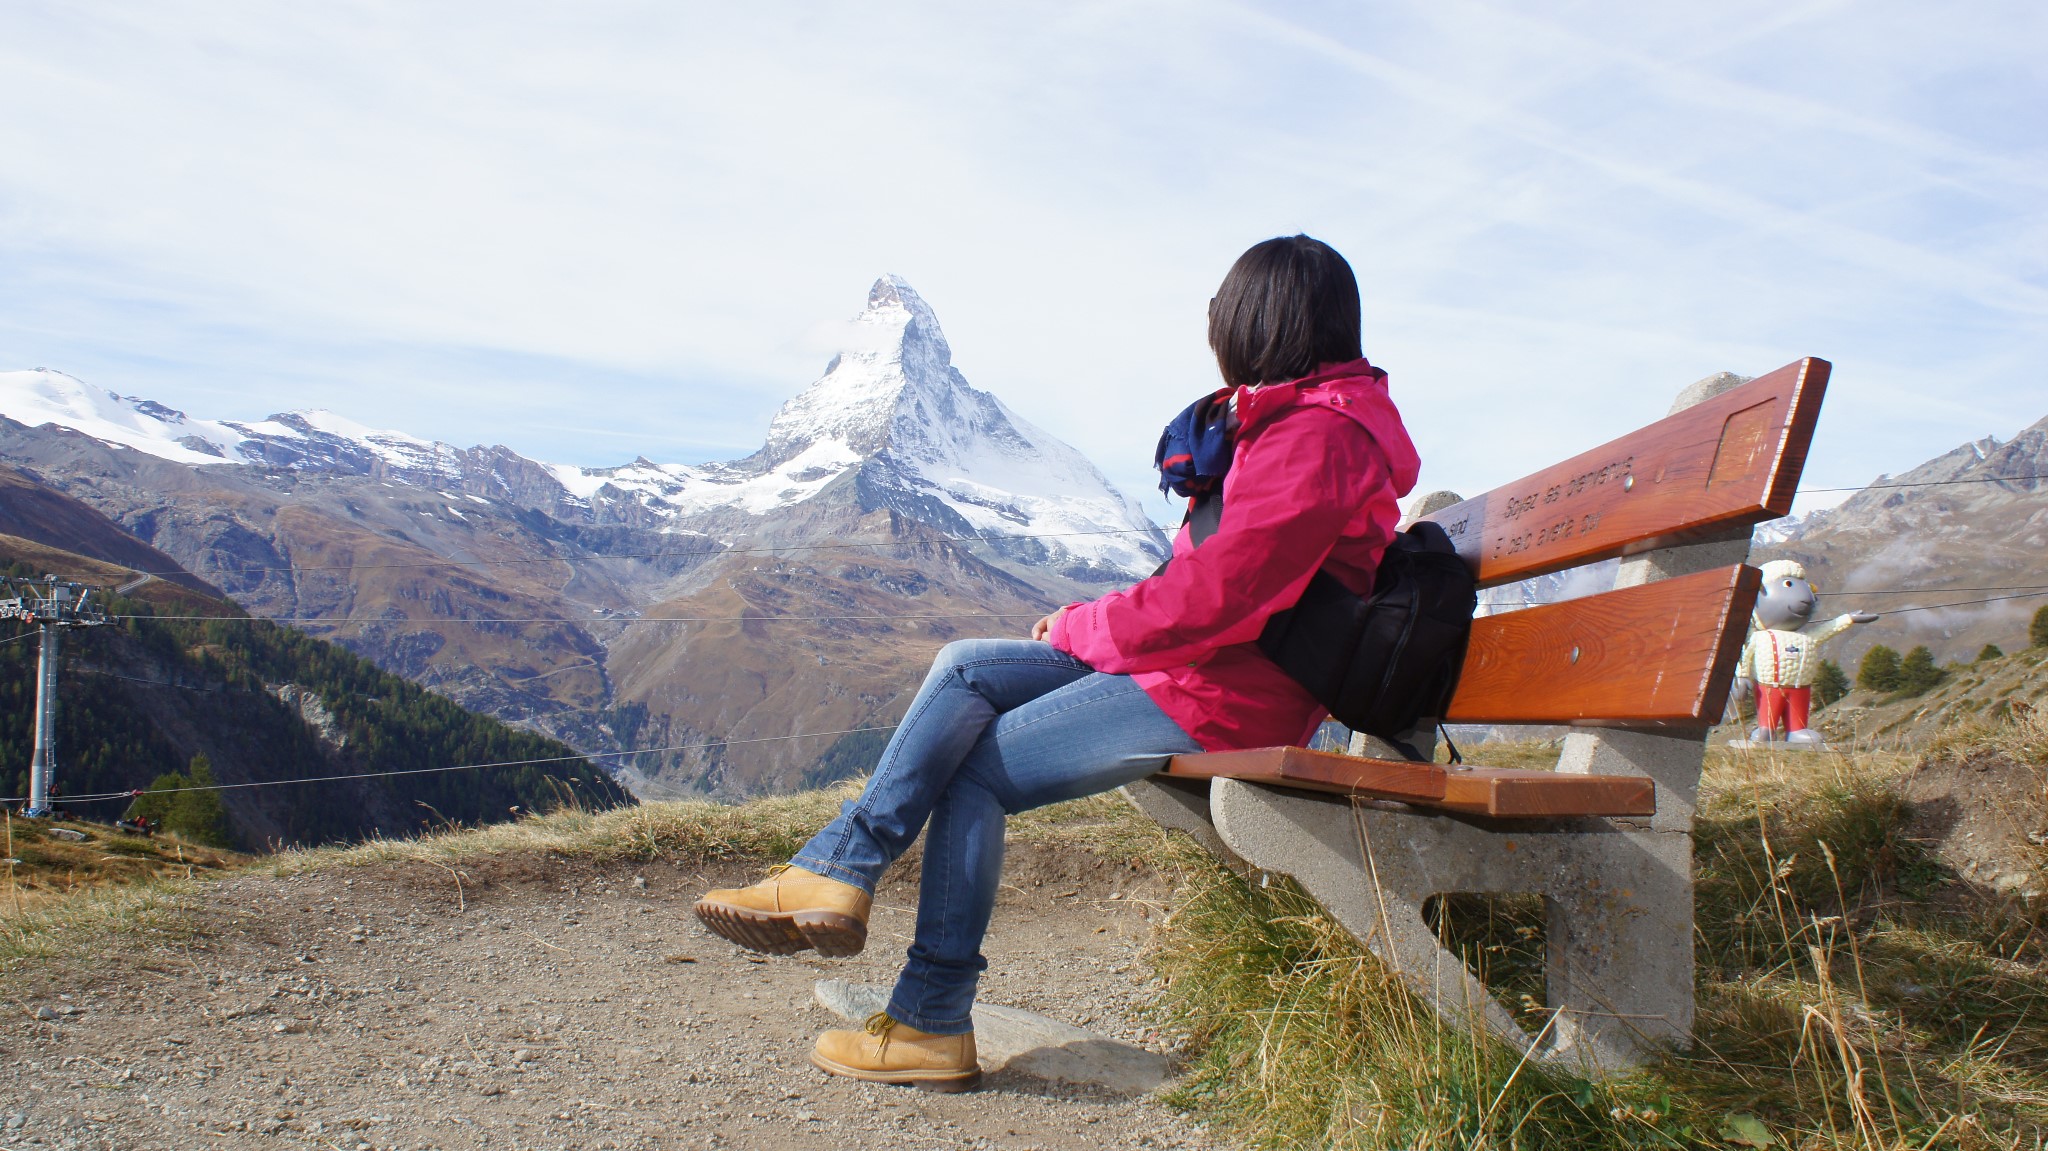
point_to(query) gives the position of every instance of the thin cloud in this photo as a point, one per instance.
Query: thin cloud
(603, 231)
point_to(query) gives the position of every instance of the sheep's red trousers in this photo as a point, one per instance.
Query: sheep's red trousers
(1783, 709)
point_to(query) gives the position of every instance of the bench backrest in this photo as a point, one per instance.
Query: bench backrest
(1732, 460)
(1663, 653)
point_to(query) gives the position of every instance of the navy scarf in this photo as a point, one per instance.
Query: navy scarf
(1194, 450)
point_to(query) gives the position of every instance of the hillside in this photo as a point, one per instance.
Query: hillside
(1968, 526)
(1982, 690)
(643, 605)
(140, 699)
(31, 513)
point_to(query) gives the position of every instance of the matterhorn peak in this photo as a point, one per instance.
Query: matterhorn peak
(892, 405)
(893, 301)
(892, 356)
(897, 327)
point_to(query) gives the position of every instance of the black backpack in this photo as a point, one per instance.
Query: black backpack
(1385, 663)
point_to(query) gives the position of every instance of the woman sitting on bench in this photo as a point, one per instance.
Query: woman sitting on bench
(1107, 692)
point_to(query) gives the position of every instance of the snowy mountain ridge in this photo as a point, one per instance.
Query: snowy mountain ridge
(891, 412)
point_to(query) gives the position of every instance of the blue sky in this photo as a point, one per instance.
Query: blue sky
(604, 230)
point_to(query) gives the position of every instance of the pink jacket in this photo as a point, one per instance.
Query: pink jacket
(1319, 464)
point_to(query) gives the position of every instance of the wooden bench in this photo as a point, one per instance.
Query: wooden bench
(1639, 673)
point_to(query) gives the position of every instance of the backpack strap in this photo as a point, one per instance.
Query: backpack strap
(1204, 516)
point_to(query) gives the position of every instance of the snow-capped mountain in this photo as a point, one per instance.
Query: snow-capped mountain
(890, 410)
(802, 588)
(309, 439)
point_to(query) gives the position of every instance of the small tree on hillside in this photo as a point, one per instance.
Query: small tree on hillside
(1829, 683)
(1917, 672)
(1991, 651)
(2037, 632)
(1879, 670)
(173, 804)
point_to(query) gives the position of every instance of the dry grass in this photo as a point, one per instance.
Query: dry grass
(1853, 993)
(62, 929)
(45, 867)
(763, 831)
(1535, 754)
(75, 895)
(695, 832)
(2020, 738)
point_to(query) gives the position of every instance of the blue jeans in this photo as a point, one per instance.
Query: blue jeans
(1000, 726)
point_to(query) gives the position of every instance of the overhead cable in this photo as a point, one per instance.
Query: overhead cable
(101, 796)
(589, 620)
(1926, 484)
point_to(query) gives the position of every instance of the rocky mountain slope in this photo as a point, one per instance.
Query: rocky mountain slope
(641, 606)
(1968, 526)
(31, 512)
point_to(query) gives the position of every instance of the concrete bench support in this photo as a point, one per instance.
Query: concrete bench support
(1183, 805)
(1619, 901)
(1619, 932)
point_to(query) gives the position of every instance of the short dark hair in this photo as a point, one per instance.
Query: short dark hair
(1288, 304)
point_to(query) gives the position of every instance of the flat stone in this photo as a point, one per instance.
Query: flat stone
(1009, 1038)
(1702, 390)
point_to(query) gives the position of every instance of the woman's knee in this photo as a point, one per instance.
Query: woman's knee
(963, 652)
(955, 653)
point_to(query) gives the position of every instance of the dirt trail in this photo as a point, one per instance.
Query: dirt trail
(548, 1004)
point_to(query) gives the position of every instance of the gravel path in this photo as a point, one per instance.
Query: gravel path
(544, 1004)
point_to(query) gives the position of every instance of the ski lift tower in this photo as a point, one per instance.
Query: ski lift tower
(52, 605)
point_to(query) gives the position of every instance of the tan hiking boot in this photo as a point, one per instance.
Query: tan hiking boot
(790, 910)
(885, 1051)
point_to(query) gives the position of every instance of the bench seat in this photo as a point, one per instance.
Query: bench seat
(1504, 793)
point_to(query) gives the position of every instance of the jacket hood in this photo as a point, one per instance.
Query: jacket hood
(1357, 391)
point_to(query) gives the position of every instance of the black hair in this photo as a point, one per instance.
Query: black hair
(1287, 305)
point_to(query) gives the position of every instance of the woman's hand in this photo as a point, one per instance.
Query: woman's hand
(1043, 627)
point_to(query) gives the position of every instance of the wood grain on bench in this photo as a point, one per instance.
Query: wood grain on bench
(1508, 792)
(1498, 792)
(1660, 653)
(1729, 460)
(1317, 771)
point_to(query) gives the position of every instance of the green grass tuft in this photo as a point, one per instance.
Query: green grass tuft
(1302, 1040)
